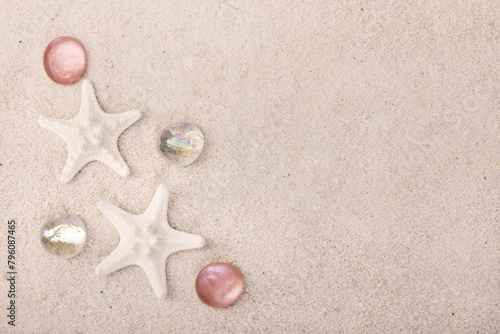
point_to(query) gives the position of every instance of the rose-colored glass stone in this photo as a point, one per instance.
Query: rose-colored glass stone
(219, 284)
(64, 60)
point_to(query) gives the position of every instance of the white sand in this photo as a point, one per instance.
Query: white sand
(351, 168)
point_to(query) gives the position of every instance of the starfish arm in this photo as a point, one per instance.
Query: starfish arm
(178, 240)
(157, 209)
(125, 119)
(61, 127)
(74, 163)
(89, 107)
(113, 158)
(121, 219)
(121, 257)
(155, 269)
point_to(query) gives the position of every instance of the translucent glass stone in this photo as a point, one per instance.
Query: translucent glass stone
(219, 284)
(64, 60)
(63, 235)
(181, 143)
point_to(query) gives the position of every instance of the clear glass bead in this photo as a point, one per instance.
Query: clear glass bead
(181, 143)
(63, 235)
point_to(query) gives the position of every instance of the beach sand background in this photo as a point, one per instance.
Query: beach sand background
(351, 168)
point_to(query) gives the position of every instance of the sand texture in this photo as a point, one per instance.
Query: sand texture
(351, 169)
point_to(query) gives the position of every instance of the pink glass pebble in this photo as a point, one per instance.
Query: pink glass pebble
(64, 60)
(219, 284)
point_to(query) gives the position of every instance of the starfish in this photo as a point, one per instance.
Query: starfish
(91, 135)
(146, 240)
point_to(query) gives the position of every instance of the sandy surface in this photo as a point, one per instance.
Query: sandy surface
(351, 168)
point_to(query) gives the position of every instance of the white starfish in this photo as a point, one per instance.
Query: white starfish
(91, 135)
(146, 240)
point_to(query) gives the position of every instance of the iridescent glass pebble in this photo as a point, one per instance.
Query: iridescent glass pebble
(63, 235)
(181, 143)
